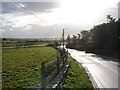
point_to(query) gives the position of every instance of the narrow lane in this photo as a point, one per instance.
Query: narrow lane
(103, 70)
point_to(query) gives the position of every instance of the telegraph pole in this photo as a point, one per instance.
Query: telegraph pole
(63, 36)
(63, 39)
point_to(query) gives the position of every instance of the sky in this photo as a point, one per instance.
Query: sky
(48, 19)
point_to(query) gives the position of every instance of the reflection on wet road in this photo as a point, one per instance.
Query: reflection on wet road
(103, 70)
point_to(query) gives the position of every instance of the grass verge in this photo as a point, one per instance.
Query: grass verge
(77, 77)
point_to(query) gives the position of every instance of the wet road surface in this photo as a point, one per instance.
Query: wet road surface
(103, 71)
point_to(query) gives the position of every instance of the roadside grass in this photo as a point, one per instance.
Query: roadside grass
(19, 61)
(77, 77)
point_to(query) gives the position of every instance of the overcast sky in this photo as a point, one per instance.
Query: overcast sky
(47, 19)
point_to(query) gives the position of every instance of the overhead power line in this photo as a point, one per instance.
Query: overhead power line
(29, 11)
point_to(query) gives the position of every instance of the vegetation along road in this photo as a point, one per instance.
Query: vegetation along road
(21, 67)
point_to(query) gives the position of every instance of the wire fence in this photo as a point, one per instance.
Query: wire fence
(48, 72)
(54, 72)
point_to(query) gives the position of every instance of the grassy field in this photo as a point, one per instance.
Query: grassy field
(19, 44)
(27, 46)
(77, 77)
(21, 66)
(18, 61)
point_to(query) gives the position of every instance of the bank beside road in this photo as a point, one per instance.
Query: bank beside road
(77, 77)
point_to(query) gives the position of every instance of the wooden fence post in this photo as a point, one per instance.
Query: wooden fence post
(66, 57)
(43, 75)
(67, 54)
(57, 65)
(63, 60)
(61, 53)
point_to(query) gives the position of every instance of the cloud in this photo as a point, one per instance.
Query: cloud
(21, 20)
(11, 7)
(119, 9)
(11, 29)
(49, 19)
(39, 31)
(28, 27)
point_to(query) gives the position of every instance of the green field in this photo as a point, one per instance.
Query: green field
(22, 43)
(18, 61)
(77, 77)
(21, 66)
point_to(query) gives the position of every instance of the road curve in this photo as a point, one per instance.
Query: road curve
(102, 70)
